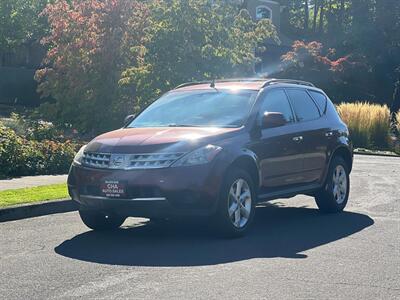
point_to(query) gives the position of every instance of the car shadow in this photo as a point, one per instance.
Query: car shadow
(277, 232)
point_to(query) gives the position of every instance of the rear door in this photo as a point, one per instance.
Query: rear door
(312, 133)
(278, 149)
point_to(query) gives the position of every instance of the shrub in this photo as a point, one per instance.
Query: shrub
(39, 130)
(58, 156)
(398, 122)
(368, 123)
(32, 129)
(20, 156)
(15, 122)
(11, 151)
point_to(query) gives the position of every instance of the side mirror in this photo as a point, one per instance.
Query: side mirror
(128, 119)
(273, 119)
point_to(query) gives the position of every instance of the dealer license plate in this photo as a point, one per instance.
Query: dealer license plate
(113, 189)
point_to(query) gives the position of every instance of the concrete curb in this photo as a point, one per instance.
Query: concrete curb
(36, 210)
(375, 154)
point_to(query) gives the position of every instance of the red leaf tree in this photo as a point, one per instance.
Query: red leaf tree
(90, 43)
(336, 75)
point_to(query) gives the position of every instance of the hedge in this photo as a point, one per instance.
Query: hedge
(20, 156)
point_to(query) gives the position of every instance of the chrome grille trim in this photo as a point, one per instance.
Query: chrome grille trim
(153, 160)
(96, 160)
(130, 161)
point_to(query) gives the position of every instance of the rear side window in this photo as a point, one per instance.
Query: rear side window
(304, 107)
(320, 99)
(276, 101)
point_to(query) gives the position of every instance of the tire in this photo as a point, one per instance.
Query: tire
(232, 220)
(333, 197)
(100, 221)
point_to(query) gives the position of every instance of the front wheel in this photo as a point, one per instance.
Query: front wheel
(98, 220)
(236, 204)
(334, 195)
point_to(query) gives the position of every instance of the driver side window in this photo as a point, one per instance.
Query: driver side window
(276, 101)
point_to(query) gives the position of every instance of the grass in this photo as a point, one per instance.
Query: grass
(31, 195)
(369, 124)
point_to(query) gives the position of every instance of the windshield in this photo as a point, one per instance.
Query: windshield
(216, 108)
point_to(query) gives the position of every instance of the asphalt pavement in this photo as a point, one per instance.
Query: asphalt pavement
(293, 252)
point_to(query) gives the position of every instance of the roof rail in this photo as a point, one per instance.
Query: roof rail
(221, 81)
(290, 81)
(192, 83)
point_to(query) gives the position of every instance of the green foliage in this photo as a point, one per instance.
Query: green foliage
(20, 156)
(90, 44)
(195, 40)
(33, 129)
(311, 62)
(109, 58)
(367, 31)
(19, 22)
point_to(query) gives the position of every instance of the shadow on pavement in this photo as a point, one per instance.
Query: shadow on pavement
(277, 232)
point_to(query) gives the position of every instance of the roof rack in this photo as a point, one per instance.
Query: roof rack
(290, 81)
(266, 81)
(192, 83)
(220, 81)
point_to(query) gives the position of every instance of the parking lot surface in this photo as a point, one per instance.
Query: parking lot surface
(292, 252)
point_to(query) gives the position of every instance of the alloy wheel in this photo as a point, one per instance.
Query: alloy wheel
(339, 184)
(239, 203)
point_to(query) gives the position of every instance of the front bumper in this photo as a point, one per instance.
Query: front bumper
(150, 193)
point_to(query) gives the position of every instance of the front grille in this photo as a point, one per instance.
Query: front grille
(97, 160)
(130, 161)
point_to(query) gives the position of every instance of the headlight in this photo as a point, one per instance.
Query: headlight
(200, 156)
(78, 157)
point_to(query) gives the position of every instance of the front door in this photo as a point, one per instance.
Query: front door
(279, 149)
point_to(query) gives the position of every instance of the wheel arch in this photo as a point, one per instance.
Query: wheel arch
(345, 153)
(248, 163)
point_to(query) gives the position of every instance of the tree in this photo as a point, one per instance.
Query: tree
(195, 40)
(19, 23)
(90, 44)
(365, 30)
(309, 61)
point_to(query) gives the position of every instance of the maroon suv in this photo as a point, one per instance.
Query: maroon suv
(216, 149)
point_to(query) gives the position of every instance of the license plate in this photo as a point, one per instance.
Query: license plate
(113, 189)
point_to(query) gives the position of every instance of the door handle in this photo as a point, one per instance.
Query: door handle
(298, 139)
(329, 134)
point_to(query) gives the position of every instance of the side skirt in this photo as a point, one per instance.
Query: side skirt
(289, 193)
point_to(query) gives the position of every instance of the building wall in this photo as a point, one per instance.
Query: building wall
(273, 5)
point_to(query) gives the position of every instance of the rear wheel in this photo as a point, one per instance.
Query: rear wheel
(98, 220)
(236, 204)
(334, 195)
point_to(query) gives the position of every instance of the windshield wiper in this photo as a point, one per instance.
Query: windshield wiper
(183, 125)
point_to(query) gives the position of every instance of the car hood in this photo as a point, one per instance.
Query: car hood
(152, 140)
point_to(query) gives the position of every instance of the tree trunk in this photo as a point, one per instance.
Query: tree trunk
(306, 16)
(341, 15)
(321, 18)
(315, 15)
(395, 107)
